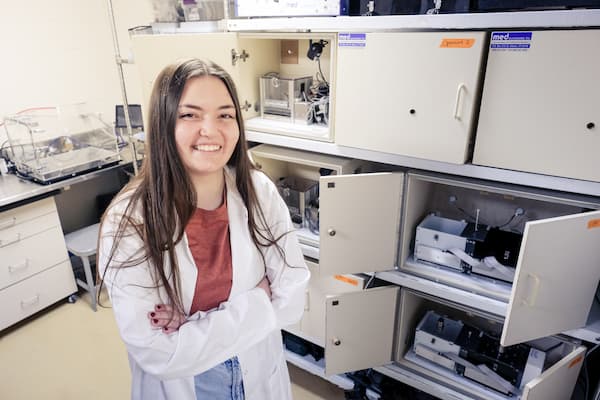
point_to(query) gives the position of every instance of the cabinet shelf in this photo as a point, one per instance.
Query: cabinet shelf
(522, 19)
(467, 170)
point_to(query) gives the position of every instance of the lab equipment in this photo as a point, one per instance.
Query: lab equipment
(468, 247)
(300, 195)
(285, 98)
(55, 143)
(476, 354)
(275, 8)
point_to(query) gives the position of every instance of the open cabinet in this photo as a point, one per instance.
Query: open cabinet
(343, 308)
(277, 60)
(557, 236)
(549, 371)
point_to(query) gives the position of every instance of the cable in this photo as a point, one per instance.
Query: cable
(321, 72)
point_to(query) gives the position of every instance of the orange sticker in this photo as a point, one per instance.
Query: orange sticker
(346, 279)
(576, 361)
(594, 223)
(457, 43)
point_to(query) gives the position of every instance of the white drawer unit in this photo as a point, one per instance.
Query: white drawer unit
(35, 271)
(540, 110)
(32, 255)
(247, 57)
(31, 295)
(409, 93)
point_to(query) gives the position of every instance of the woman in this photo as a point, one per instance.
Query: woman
(198, 252)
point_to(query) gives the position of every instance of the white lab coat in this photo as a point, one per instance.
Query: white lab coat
(247, 325)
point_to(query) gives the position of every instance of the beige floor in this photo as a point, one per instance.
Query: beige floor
(71, 353)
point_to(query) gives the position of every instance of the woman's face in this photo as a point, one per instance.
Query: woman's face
(206, 131)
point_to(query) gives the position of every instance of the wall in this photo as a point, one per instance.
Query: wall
(61, 51)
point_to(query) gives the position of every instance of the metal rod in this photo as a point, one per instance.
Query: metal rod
(119, 62)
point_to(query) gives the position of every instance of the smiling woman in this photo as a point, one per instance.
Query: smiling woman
(199, 254)
(206, 133)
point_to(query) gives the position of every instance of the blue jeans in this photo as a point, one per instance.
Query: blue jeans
(223, 382)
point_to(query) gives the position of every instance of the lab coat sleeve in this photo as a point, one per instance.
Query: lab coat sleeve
(201, 343)
(289, 278)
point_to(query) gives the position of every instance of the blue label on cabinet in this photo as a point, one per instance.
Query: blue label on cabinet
(352, 39)
(515, 41)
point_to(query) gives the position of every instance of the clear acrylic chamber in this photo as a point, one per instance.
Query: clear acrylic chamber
(53, 143)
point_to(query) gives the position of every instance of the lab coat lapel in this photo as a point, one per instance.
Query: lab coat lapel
(239, 237)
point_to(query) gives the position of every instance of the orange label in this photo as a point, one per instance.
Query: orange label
(346, 279)
(594, 223)
(576, 361)
(457, 43)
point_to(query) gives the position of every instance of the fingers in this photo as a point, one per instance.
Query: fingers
(165, 318)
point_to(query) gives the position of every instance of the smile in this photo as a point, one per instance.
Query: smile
(207, 147)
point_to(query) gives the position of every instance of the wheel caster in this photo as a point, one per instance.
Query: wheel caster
(72, 298)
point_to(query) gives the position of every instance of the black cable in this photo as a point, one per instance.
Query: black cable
(321, 72)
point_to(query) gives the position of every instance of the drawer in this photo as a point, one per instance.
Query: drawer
(27, 212)
(36, 293)
(433, 339)
(32, 255)
(14, 234)
(340, 313)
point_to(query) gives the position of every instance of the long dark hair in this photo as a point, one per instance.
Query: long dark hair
(163, 195)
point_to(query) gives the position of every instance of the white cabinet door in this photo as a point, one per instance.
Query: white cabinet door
(359, 222)
(556, 277)
(558, 381)
(540, 109)
(154, 52)
(359, 329)
(408, 93)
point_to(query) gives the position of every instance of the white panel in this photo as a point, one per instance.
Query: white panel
(537, 104)
(405, 93)
(154, 52)
(556, 277)
(359, 222)
(33, 294)
(360, 329)
(558, 381)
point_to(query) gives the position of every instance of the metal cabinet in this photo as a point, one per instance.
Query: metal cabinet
(540, 109)
(246, 57)
(409, 93)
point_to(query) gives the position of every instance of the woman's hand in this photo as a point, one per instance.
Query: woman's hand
(165, 317)
(265, 285)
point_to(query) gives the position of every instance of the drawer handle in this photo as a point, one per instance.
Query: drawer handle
(4, 243)
(331, 232)
(18, 267)
(534, 291)
(8, 224)
(336, 341)
(28, 303)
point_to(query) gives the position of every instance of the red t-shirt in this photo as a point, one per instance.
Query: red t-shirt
(208, 238)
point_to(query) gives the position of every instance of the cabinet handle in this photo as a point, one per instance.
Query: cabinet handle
(27, 303)
(8, 224)
(15, 268)
(459, 91)
(532, 298)
(7, 242)
(331, 232)
(336, 341)
(307, 301)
